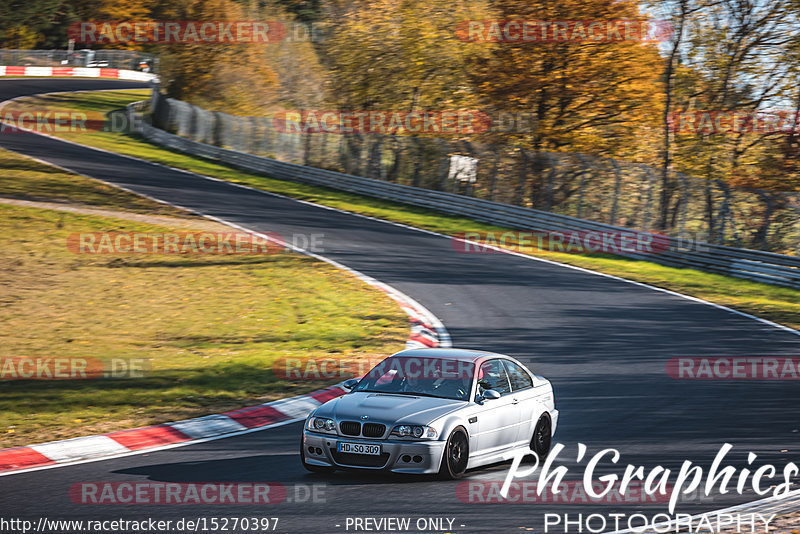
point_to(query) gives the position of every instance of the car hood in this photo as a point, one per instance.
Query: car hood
(388, 408)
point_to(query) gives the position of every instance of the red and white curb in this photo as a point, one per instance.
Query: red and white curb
(78, 72)
(162, 436)
(427, 331)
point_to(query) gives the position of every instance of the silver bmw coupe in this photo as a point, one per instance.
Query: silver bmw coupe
(432, 411)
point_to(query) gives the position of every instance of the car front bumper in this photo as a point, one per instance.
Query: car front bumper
(416, 457)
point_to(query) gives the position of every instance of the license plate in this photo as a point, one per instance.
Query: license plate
(358, 448)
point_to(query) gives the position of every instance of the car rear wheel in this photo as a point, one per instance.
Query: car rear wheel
(310, 467)
(456, 455)
(542, 437)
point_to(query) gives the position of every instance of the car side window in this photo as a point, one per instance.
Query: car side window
(519, 378)
(492, 375)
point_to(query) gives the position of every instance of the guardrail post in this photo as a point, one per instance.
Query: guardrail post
(523, 174)
(266, 136)
(649, 203)
(684, 207)
(444, 163)
(471, 151)
(306, 147)
(493, 183)
(550, 179)
(760, 237)
(582, 183)
(615, 195)
(397, 151)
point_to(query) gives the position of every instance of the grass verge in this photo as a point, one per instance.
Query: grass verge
(211, 327)
(777, 304)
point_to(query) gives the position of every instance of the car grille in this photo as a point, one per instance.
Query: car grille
(350, 428)
(374, 430)
(359, 460)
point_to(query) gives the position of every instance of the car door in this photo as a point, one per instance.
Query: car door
(498, 419)
(523, 394)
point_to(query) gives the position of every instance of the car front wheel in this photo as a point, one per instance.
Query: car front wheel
(456, 455)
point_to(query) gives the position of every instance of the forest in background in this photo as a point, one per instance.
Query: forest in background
(603, 99)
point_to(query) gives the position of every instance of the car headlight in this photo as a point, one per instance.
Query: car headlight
(415, 432)
(321, 424)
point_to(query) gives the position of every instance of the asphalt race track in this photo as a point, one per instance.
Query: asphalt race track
(602, 342)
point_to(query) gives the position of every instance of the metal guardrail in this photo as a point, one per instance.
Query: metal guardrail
(766, 267)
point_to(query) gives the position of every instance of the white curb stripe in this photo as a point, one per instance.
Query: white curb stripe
(79, 448)
(210, 425)
(297, 408)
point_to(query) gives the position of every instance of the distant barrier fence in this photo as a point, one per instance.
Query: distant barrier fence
(604, 190)
(753, 265)
(112, 59)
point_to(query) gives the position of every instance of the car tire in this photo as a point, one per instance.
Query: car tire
(456, 455)
(542, 437)
(310, 467)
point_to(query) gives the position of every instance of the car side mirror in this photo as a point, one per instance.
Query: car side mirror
(350, 384)
(489, 394)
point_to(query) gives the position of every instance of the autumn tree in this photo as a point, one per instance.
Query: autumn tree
(587, 96)
(400, 54)
(737, 58)
(24, 23)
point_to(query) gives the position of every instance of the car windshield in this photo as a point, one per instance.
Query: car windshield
(429, 377)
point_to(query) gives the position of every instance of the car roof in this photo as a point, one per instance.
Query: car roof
(450, 354)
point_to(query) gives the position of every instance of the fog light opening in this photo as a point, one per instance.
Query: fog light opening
(417, 459)
(318, 451)
(406, 458)
(311, 450)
